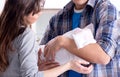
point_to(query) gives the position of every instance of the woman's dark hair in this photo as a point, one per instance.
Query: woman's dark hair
(11, 20)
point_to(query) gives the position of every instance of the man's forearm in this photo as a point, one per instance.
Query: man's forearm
(91, 52)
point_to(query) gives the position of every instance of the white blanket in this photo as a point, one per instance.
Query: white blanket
(82, 37)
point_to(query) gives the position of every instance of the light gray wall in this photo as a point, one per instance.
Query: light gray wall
(40, 26)
(2, 2)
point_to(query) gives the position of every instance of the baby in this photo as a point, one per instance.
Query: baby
(82, 37)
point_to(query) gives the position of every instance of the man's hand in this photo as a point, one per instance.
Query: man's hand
(52, 47)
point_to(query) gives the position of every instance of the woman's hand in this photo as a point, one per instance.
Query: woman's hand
(45, 65)
(76, 66)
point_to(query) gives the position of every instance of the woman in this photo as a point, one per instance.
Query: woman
(18, 48)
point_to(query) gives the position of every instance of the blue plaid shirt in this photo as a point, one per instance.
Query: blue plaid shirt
(103, 15)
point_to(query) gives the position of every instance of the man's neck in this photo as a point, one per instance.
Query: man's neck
(79, 7)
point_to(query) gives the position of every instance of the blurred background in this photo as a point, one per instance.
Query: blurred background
(51, 8)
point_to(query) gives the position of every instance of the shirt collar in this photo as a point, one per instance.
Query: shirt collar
(78, 11)
(91, 3)
(69, 6)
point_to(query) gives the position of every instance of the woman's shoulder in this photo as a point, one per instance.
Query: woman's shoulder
(24, 37)
(28, 32)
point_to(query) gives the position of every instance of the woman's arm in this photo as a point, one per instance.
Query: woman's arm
(50, 69)
(72, 65)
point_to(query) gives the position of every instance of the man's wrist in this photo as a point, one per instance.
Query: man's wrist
(60, 40)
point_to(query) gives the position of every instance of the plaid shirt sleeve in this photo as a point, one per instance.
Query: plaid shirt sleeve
(106, 14)
(49, 33)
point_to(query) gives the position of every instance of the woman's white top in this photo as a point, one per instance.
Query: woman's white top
(23, 61)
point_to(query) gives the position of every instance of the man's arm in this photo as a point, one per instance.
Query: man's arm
(104, 49)
(105, 35)
(91, 52)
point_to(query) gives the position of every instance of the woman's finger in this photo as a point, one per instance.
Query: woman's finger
(51, 64)
(48, 65)
(45, 50)
(39, 56)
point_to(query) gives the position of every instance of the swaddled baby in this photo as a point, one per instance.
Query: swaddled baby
(82, 37)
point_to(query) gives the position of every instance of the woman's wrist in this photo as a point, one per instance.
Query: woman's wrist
(68, 65)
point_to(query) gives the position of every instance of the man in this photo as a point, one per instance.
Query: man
(80, 13)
